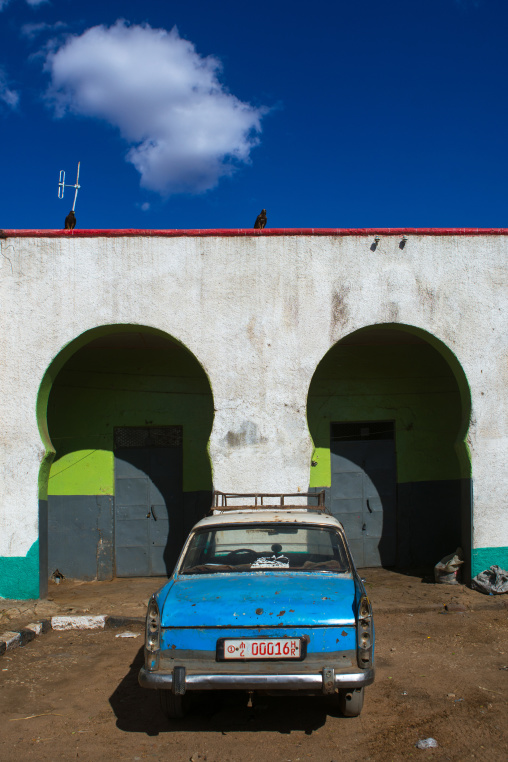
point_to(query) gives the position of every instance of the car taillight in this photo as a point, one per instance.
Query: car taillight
(152, 640)
(364, 633)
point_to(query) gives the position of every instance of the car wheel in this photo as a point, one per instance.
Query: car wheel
(351, 702)
(173, 706)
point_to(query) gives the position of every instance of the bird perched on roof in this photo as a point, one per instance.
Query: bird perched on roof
(70, 221)
(260, 220)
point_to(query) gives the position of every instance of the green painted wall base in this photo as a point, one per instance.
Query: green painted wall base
(19, 576)
(484, 558)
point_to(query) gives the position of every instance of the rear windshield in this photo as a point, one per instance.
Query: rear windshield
(265, 547)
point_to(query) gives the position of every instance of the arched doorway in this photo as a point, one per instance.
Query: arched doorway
(126, 413)
(388, 411)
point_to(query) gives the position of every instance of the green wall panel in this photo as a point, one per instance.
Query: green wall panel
(19, 575)
(104, 385)
(410, 384)
(83, 472)
(484, 558)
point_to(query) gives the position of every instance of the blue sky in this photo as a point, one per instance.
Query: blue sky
(328, 114)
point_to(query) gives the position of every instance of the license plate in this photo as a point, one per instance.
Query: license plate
(235, 649)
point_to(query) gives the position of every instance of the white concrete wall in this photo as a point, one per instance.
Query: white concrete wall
(259, 314)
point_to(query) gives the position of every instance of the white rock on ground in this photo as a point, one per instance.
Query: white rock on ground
(34, 627)
(11, 639)
(78, 622)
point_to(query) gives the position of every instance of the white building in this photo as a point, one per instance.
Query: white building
(142, 369)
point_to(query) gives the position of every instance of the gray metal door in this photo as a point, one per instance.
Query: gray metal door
(363, 490)
(148, 501)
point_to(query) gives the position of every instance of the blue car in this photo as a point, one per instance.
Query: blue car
(264, 598)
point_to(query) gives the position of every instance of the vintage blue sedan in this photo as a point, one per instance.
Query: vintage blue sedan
(264, 598)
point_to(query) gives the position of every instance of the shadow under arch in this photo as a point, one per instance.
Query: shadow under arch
(118, 375)
(402, 375)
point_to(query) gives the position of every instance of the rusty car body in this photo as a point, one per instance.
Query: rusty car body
(263, 598)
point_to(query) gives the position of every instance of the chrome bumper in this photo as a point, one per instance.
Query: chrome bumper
(325, 682)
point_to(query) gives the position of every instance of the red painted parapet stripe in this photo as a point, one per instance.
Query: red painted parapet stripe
(238, 232)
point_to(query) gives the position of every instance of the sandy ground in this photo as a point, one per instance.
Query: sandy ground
(438, 674)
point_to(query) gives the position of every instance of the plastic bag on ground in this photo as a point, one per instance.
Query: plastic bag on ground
(427, 743)
(493, 581)
(447, 570)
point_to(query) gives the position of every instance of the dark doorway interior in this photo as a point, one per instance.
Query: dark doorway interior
(149, 500)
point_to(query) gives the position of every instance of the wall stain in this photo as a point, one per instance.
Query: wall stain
(393, 312)
(427, 296)
(340, 309)
(248, 434)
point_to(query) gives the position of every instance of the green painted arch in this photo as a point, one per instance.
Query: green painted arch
(320, 474)
(463, 388)
(58, 363)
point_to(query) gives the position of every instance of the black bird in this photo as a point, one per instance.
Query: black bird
(70, 221)
(260, 220)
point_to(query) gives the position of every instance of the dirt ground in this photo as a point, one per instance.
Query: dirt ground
(74, 695)
(390, 591)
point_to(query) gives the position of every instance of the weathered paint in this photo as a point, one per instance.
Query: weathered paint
(262, 599)
(80, 536)
(292, 514)
(321, 639)
(259, 312)
(484, 558)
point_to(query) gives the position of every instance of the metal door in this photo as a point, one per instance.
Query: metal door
(148, 500)
(363, 489)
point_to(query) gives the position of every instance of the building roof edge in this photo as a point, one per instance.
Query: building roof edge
(249, 232)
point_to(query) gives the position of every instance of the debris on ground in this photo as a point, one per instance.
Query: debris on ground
(427, 743)
(454, 607)
(57, 577)
(127, 635)
(493, 581)
(447, 570)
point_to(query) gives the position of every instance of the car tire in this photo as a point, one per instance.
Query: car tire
(174, 707)
(351, 702)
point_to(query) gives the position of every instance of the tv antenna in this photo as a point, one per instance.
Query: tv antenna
(62, 185)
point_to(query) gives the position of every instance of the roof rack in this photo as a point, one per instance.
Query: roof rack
(220, 501)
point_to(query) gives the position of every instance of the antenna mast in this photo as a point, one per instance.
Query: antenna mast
(62, 185)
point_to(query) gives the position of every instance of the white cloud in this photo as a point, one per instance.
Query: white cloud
(33, 3)
(8, 96)
(32, 30)
(145, 206)
(185, 129)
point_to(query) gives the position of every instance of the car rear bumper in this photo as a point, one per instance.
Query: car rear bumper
(327, 681)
